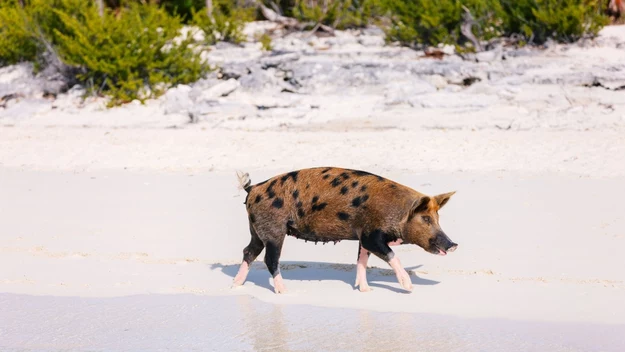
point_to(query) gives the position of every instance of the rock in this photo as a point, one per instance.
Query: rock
(234, 70)
(19, 80)
(371, 41)
(520, 52)
(448, 49)
(177, 99)
(258, 79)
(374, 31)
(403, 92)
(437, 81)
(220, 89)
(226, 45)
(26, 108)
(490, 56)
(277, 60)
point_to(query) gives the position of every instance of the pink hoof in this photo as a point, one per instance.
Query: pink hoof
(278, 285)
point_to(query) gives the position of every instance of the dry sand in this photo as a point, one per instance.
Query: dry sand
(539, 261)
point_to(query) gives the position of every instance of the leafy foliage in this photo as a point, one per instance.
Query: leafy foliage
(127, 51)
(562, 20)
(17, 42)
(438, 21)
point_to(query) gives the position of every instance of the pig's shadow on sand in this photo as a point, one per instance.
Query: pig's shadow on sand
(313, 271)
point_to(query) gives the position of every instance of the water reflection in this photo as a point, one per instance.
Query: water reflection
(243, 323)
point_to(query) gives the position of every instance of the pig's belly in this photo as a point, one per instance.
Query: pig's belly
(320, 232)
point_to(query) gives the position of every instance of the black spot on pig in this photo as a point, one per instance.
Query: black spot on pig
(325, 177)
(326, 170)
(270, 192)
(300, 212)
(258, 198)
(315, 199)
(354, 184)
(363, 188)
(342, 216)
(356, 202)
(318, 207)
(335, 182)
(252, 218)
(292, 175)
(344, 190)
(277, 203)
(295, 194)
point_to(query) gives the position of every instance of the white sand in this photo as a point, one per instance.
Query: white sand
(536, 249)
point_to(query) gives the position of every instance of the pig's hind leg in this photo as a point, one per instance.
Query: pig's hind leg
(272, 233)
(377, 243)
(249, 255)
(272, 260)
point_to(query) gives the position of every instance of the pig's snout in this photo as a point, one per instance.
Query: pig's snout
(444, 244)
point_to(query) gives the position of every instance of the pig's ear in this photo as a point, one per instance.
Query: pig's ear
(418, 206)
(442, 199)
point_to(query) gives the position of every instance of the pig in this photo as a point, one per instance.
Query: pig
(331, 204)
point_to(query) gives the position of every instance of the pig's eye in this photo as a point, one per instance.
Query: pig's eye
(427, 219)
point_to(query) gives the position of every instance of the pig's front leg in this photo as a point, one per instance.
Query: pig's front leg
(376, 242)
(361, 270)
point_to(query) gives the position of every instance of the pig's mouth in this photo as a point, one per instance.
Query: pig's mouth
(441, 244)
(442, 252)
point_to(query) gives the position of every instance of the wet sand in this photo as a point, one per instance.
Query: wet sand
(243, 323)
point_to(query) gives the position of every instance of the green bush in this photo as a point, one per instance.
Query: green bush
(226, 23)
(562, 20)
(119, 54)
(431, 22)
(124, 52)
(17, 41)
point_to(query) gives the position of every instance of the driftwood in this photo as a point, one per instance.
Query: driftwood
(466, 28)
(290, 22)
(273, 16)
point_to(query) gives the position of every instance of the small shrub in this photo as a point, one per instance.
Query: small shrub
(562, 20)
(17, 42)
(430, 22)
(226, 23)
(265, 41)
(123, 53)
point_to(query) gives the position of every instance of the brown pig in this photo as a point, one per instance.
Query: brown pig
(330, 204)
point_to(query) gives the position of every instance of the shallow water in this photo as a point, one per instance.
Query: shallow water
(243, 323)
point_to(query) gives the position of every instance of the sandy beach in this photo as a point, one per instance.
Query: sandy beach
(122, 229)
(529, 254)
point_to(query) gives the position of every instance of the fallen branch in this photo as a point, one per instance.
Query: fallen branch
(290, 22)
(465, 28)
(273, 16)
